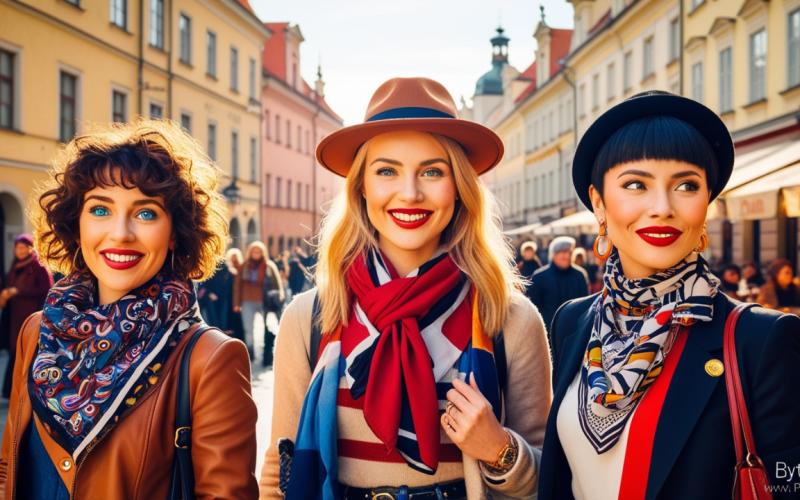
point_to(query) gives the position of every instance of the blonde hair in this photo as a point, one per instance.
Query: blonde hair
(230, 253)
(260, 246)
(474, 239)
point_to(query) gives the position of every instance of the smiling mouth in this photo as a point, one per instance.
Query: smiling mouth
(115, 257)
(660, 235)
(409, 217)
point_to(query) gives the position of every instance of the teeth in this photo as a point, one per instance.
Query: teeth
(407, 217)
(122, 258)
(659, 235)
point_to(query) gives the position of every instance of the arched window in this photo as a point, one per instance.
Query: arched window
(236, 234)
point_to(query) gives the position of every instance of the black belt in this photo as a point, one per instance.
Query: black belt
(451, 490)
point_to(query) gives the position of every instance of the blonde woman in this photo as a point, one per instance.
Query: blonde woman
(416, 368)
(248, 293)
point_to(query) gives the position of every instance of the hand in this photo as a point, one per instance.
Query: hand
(471, 424)
(213, 297)
(237, 309)
(12, 291)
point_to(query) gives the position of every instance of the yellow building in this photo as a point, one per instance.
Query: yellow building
(742, 59)
(68, 64)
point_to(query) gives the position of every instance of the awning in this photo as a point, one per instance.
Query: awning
(523, 229)
(585, 221)
(750, 166)
(759, 199)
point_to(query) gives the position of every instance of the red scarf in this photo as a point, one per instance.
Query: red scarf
(400, 355)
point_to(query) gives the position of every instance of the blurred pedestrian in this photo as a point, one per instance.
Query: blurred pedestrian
(782, 289)
(285, 269)
(215, 296)
(248, 293)
(594, 272)
(297, 270)
(559, 281)
(530, 263)
(234, 261)
(27, 284)
(731, 277)
(273, 296)
(753, 279)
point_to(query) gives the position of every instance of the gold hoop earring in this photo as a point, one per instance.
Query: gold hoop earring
(704, 242)
(173, 261)
(74, 261)
(602, 245)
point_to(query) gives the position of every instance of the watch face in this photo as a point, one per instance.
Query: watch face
(509, 456)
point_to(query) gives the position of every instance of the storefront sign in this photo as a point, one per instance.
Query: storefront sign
(753, 207)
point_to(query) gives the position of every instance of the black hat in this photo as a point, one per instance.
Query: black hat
(642, 105)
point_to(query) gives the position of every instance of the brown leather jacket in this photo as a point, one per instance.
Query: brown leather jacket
(134, 461)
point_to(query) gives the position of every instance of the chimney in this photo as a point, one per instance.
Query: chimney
(319, 84)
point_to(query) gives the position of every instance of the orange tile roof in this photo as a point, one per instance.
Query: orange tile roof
(559, 48)
(246, 5)
(529, 73)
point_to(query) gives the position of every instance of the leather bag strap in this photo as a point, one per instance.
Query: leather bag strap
(182, 485)
(740, 420)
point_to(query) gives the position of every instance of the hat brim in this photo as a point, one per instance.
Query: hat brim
(661, 104)
(483, 148)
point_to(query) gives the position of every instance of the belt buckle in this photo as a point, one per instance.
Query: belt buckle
(383, 494)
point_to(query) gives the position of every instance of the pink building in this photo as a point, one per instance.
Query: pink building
(296, 117)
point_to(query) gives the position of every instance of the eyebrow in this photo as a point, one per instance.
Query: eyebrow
(642, 173)
(397, 163)
(137, 203)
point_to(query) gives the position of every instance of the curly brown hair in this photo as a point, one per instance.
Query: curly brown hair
(159, 158)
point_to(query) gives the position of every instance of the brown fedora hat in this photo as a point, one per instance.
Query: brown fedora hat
(411, 104)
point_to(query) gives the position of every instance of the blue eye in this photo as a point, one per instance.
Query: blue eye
(433, 172)
(385, 172)
(99, 211)
(147, 215)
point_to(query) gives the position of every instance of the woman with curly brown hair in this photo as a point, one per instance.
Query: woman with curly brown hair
(130, 216)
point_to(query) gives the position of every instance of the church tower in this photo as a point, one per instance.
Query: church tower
(489, 87)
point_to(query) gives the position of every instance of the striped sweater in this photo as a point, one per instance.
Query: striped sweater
(363, 461)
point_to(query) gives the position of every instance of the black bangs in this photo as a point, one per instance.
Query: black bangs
(655, 138)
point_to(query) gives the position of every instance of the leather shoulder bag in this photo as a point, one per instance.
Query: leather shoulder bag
(182, 484)
(750, 478)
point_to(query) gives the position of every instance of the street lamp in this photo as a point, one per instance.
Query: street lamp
(232, 193)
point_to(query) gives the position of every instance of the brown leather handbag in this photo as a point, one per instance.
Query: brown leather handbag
(750, 478)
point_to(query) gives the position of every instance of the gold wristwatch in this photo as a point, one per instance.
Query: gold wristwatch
(506, 458)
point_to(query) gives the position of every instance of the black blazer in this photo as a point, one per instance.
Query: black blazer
(693, 453)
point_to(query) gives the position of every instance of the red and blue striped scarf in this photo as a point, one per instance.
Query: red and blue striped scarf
(402, 333)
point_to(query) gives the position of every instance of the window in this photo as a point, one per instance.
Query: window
(118, 107)
(278, 192)
(697, 82)
(186, 122)
(569, 117)
(235, 155)
(288, 194)
(278, 129)
(308, 197)
(157, 23)
(544, 129)
(67, 101)
(610, 82)
(582, 100)
(288, 134)
(267, 125)
(725, 81)
(595, 91)
(758, 65)
(552, 127)
(674, 39)
(627, 71)
(552, 196)
(535, 192)
(234, 69)
(252, 78)
(212, 141)
(793, 32)
(267, 189)
(185, 26)
(535, 135)
(299, 196)
(560, 127)
(308, 143)
(647, 61)
(7, 97)
(253, 163)
(211, 54)
(119, 11)
(697, 3)
(156, 111)
(299, 142)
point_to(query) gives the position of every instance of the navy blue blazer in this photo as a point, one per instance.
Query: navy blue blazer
(693, 453)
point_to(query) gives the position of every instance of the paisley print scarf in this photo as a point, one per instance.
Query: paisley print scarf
(634, 327)
(95, 362)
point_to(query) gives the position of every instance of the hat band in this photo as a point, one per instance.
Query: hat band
(409, 112)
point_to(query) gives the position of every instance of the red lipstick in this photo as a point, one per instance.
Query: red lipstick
(667, 235)
(117, 253)
(411, 212)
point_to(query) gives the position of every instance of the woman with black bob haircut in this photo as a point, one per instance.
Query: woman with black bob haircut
(641, 371)
(130, 215)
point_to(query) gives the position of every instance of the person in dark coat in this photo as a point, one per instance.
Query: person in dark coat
(217, 298)
(530, 263)
(559, 281)
(26, 288)
(640, 404)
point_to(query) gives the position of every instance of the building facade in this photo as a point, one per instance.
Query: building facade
(295, 188)
(68, 65)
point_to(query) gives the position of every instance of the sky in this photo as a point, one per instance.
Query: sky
(363, 43)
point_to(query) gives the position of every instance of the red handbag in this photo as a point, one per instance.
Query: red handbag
(750, 478)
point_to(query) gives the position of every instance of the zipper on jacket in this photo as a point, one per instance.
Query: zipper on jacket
(15, 451)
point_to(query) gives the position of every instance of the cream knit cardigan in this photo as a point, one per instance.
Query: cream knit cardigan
(527, 400)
